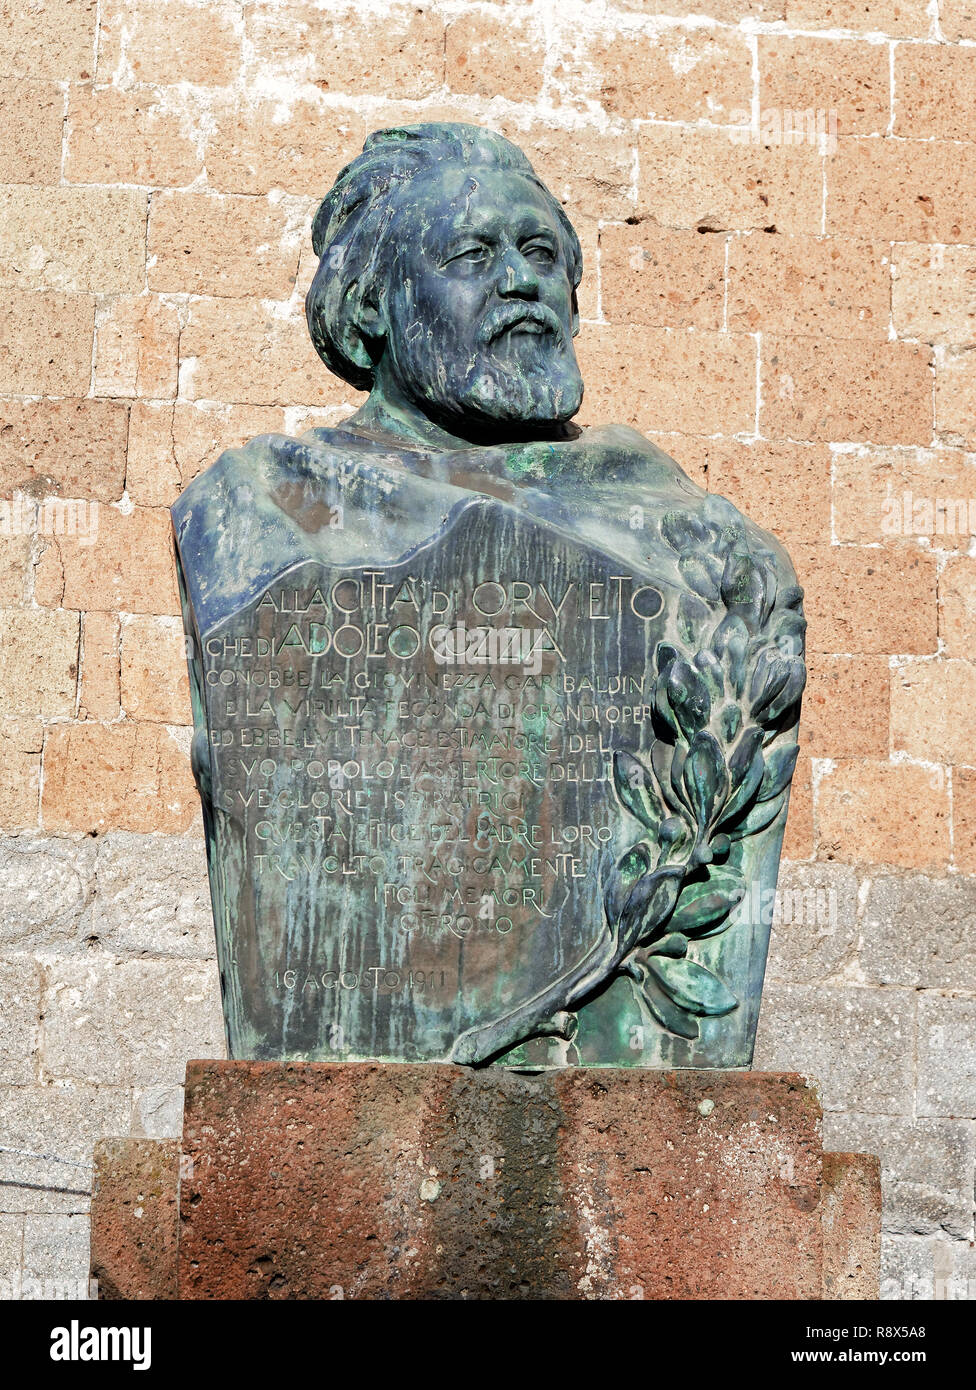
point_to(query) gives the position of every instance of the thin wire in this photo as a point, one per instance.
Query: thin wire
(42, 1187)
(50, 1158)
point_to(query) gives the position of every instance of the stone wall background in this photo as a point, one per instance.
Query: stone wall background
(793, 321)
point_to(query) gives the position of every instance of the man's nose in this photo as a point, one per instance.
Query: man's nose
(517, 275)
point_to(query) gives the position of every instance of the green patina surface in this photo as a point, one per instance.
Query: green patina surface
(494, 718)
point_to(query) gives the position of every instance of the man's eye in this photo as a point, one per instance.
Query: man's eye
(540, 251)
(467, 253)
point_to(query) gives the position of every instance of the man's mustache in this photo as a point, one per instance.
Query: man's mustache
(508, 316)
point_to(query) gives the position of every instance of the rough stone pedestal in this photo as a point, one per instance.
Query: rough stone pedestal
(135, 1218)
(311, 1180)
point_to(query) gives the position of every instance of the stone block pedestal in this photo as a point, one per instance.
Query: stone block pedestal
(355, 1180)
(135, 1218)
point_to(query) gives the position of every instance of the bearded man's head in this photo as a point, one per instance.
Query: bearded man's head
(449, 271)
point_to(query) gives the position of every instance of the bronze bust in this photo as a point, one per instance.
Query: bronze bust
(495, 716)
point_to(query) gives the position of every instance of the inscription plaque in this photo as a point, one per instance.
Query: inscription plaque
(493, 736)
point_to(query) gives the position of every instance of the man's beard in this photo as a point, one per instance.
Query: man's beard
(521, 370)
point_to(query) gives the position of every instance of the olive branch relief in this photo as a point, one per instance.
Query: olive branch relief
(725, 696)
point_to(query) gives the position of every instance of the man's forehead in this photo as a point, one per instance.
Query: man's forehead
(483, 200)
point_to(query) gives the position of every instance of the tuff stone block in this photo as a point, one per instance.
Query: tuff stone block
(73, 240)
(135, 1022)
(848, 599)
(857, 1043)
(75, 447)
(932, 293)
(825, 389)
(884, 813)
(136, 348)
(701, 178)
(902, 190)
(304, 1180)
(663, 279)
(129, 776)
(153, 899)
(858, 685)
(897, 497)
(933, 710)
(809, 286)
(717, 372)
(21, 742)
(223, 245)
(935, 91)
(127, 566)
(46, 343)
(947, 1055)
(169, 41)
(33, 115)
(254, 145)
(48, 39)
(99, 695)
(670, 74)
(48, 1131)
(224, 338)
(842, 78)
(135, 1218)
(38, 662)
(926, 1168)
(899, 18)
(153, 670)
(140, 136)
(851, 1212)
(753, 475)
(20, 989)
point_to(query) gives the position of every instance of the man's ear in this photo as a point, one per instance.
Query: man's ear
(371, 320)
(369, 331)
(372, 317)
